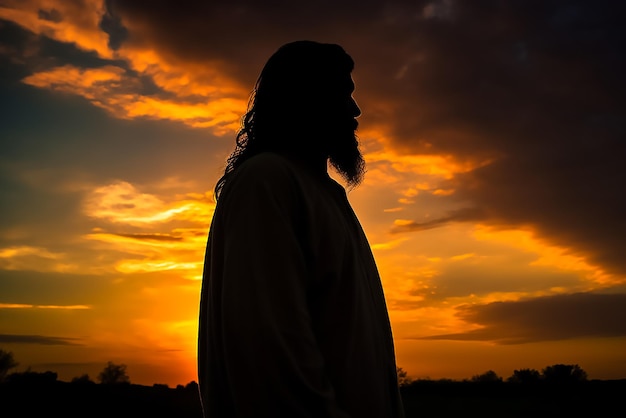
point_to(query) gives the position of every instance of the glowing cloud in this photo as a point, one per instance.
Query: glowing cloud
(158, 246)
(34, 259)
(198, 96)
(26, 306)
(66, 21)
(548, 255)
(113, 89)
(122, 203)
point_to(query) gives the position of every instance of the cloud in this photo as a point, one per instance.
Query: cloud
(133, 81)
(549, 318)
(26, 257)
(76, 22)
(37, 339)
(119, 92)
(539, 94)
(153, 237)
(26, 306)
(154, 233)
(520, 117)
(120, 202)
(460, 215)
(180, 250)
(534, 90)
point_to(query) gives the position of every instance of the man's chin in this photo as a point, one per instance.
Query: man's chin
(349, 163)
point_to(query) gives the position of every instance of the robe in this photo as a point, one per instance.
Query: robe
(293, 321)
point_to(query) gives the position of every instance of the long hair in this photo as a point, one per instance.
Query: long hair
(292, 82)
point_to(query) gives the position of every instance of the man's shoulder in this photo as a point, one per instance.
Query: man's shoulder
(266, 161)
(269, 171)
(278, 174)
(266, 166)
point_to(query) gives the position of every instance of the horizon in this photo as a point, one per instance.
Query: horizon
(403, 377)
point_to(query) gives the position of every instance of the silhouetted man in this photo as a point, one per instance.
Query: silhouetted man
(293, 321)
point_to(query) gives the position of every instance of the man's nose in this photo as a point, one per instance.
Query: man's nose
(356, 111)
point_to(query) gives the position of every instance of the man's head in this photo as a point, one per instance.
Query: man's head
(302, 104)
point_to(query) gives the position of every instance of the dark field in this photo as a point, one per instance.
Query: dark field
(470, 399)
(422, 399)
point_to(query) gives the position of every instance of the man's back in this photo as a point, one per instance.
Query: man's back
(293, 319)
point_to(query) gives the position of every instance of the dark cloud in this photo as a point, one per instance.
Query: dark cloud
(112, 25)
(461, 279)
(23, 53)
(549, 318)
(152, 237)
(239, 36)
(459, 215)
(37, 339)
(537, 86)
(52, 15)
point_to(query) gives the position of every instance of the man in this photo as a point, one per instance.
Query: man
(293, 321)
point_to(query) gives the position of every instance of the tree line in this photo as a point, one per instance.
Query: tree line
(556, 373)
(113, 373)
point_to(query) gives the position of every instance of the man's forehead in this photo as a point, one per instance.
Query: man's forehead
(342, 82)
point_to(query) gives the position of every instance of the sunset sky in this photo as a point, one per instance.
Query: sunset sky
(494, 201)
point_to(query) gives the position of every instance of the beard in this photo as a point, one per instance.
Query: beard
(346, 158)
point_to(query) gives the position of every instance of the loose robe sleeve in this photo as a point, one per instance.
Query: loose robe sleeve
(271, 359)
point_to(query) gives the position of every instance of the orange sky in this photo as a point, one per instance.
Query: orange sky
(491, 199)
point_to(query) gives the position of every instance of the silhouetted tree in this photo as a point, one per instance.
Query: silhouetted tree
(564, 373)
(193, 385)
(113, 374)
(82, 380)
(525, 376)
(32, 378)
(488, 376)
(7, 362)
(403, 377)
